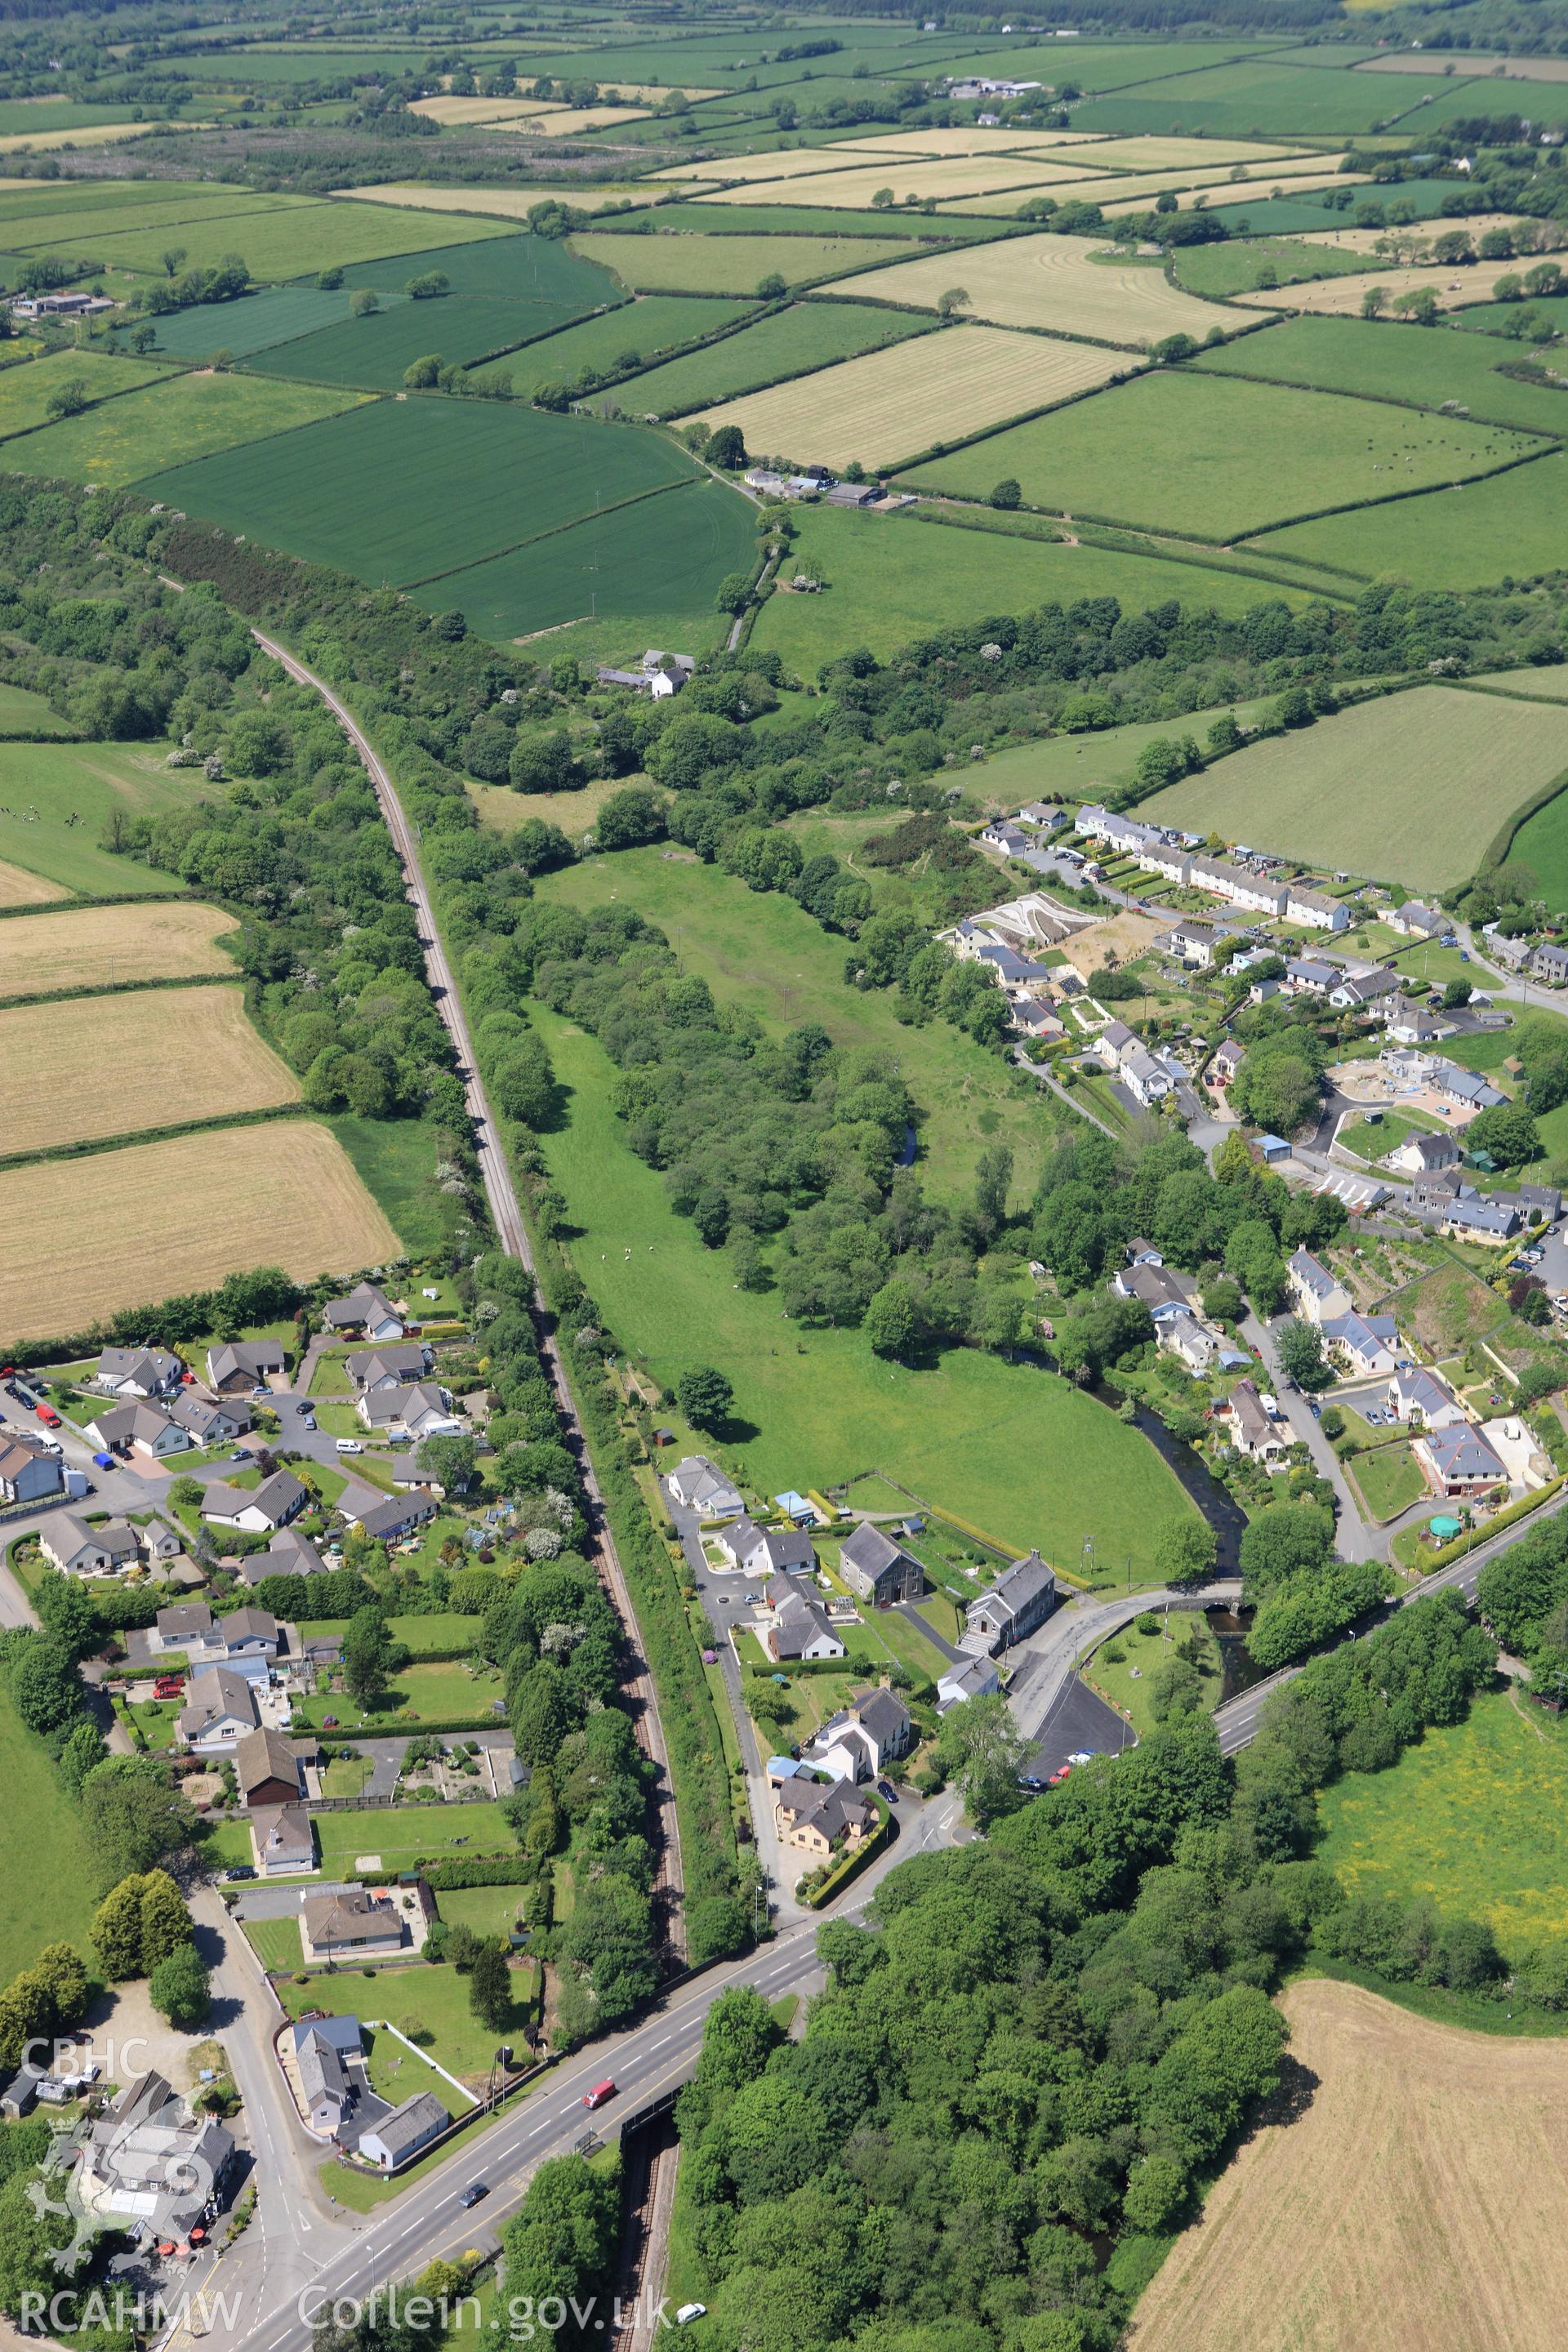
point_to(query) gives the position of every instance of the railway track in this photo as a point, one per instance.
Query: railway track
(506, 1212)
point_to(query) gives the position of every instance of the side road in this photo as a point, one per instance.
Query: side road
(501, 1195)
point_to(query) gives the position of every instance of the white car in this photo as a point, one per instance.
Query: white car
(688, 2312)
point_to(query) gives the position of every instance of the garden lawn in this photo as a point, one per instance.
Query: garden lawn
(1389, 1479)
(791, 343)
(50, 1875)
(447, 1692)
(195, 414)
(276, 1942)
(59, 796)
(636, 330)
(1450, 769)
(1126, 1683)
(1020, 1453)
(1426, 366)
(1471, 1816)
(488, 1910)
(730, 264)
(1244, 458)
(1374, 1139)
(428, 2002)
(403, 1836)
(446, 1631)
(474, 477)
(888, 580)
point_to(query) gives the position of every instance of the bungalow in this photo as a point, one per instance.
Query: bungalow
(1425, 1155)
(388, 1367)
(349, 1923)
(974, 1678)
(699, 1486)
(397, 1518)
(1479, 1219)
(766, 1551)
(119, 1427)
(1466, 1087)
(425, 1410)
(799, 1628)
(1458, 1461)
(1368, 1343)
(246, 1633)
(1016, 1603)
(1036, 1020)
(75, 1549)
(27, 1471)
(1314, 909)
(237, 1366)
(1251, 1431)
(289, 1554)
(1307, 976)
(208, 1421)
(256, 1510)
(1411, 1024)
(138, 1372)
(1192, 944)
(1043, 815)
(397, 2139)
(1239, 884)
(1227, 1059)
(1355, 992)
(1145, 1077)
(268, 1770)
(1420, 1397)
(1182, 1335)
(219, 1713)
(1009, 838)
(818, 1820)
(282, 1841)
(366, 1309)
(1315, 1291)
(877, 1570)
(1415, 920)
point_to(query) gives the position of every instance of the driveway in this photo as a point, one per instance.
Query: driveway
(1353, 1539)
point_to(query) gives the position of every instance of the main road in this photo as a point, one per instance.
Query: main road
(507, 1215)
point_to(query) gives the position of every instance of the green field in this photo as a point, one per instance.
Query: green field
(84, 227)
(23, 712)
(1260, 99)
(1082, 766)
(762, 952)
(57, 799)
(1244, 263)
(506, 267)
(710, 220)
(1471, 1816)
(1464, 538)
(1234, 463)
(634, 330)
(661, 560)
(27, 389)
(1449, 767)
(397, 1160)
(253, 323)
(376, 350)
(791, 343)
(1021, 1453)
(1542, 844)
(1495, 318)
(732, 265)
(473, 478)
(280, 238)
(20, 116)
(198, 415)
(1271, 215)
(50, 1875)
(1424, 365)
(890, 579)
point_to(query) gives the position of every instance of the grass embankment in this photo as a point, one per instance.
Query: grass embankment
(48, 1869)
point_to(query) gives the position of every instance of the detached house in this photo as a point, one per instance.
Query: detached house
(73, 1547)
(349, 1925)
(138, 1372)
(799, 1626)
(1368, 1344)
(862, 1739)
(1251, 1431)
(1420, 1399)
(425, 1410)
(256, 1510)
(28, 1473)
(699, 1486)
(220, 1712)
(766, 1551)
(396, 2140)
(1016, 1603)
(1425, 1155)
(282, 1841)
(119, 1427)
(237, 1366)
(1458, 1462)
(208, 1420)
(1315, 1292)
(877, 1570)
(388, 1367)
(268, 1770)
(396, 1519)
(366, 1309)
(817, 1820)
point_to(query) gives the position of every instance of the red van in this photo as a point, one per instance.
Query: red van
(599, 2094)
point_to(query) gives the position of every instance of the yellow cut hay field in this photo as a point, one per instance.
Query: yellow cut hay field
(106, 1066)
(883, 407)
(1190, 198)
(1418, 2203)
(955, 176)
(505, 204)
(1474, 226)
(968, 139)
(898, 147)
(1055, 282)
(105, 946)
(18, 889)
(124, 1228)
(1340, 298)
(462, 114)
(1161, 154)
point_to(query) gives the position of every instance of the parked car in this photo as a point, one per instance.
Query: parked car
(1030, 1780)
(600, 2093)
(47, 1415)
(688, 2312)
(241, 1870)
(886, 1789)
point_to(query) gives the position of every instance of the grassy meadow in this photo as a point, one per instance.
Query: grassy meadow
(729, 265)
(1467, 537)
(806, 336)
(50, 1875)
(633, 331)
(123, 440)
(58, 798)
(1428, 366)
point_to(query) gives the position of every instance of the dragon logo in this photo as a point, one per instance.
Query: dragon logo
(58, 2170)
